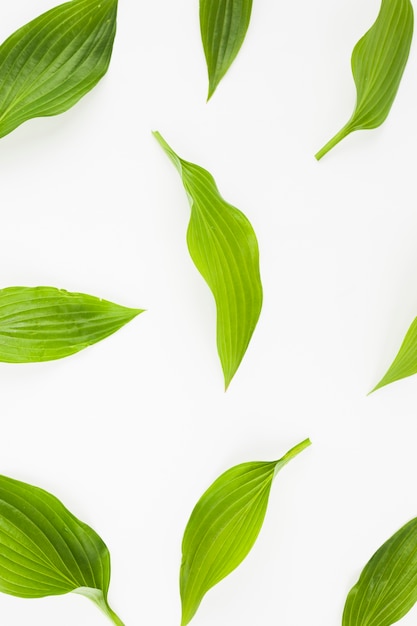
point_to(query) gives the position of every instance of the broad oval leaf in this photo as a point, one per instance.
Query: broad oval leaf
(387, 587)
(224, 526)
(223, 25)
(378, 63)
(45, 323)
(45, 550)
(50, 63)
(224, 248)
(405, 363)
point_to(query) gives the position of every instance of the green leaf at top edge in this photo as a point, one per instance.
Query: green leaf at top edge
(223, 26)
(46, 551)
(50, 63)
(405, 363)
(224, 526)
(387, 587)
(378, 63)
(45, 323)
(224, 248)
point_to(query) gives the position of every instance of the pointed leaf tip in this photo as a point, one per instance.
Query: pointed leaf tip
(224, 248)
(405, 363)
(224, 526)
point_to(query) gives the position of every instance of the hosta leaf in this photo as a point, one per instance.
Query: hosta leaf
(378, 63)
(387, 587)
(223, 246)
(224, 526)
(45, 323)
(50, 63)
(405, 363)
(223, 25)
(45, 550)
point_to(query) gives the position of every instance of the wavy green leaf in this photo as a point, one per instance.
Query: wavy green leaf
(405, 363)
(224, 526)
(45, 550)
(45, 323)
(223, 246)
(387, 587)
(50, 63)
(378, 63)
(223, 25)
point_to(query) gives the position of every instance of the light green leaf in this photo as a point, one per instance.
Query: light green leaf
(45, 323)
(387, 587)
(224, 526)
(46, 551)
(405, 363)
(223, 25)
(50, 63)
(378, 63)
(223, 246)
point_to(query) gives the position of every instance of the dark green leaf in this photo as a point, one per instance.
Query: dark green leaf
(224, 248)
(378, 63)
(387, 587)
(44, 323)
(223, 25)
(50, 63)
(45, 550)
(224, 526)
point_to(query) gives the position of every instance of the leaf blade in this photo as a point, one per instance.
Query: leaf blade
(378, 63)
(49, 64)
(45, 550)
(387, 587)
(224, 248)
(223, 27)
(44, 323)
(224, 526)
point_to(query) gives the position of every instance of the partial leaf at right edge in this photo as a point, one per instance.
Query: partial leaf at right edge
(223, 25)
(224, 526)
(405, 363)
(387, 587)
(378, 63)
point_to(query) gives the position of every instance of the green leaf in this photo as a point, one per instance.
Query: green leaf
(223, 25)
(224, 526)
(378, 63)
(405, 363)
(224, 248)
(46, 551)
(50, 63)
(45, 323)
(387, 587)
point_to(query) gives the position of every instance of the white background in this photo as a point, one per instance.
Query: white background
(130, 432)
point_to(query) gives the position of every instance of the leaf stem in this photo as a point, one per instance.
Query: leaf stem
(291, 454)
(334, 141)
(97, 596)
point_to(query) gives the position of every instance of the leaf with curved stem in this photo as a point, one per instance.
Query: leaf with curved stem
(46, 551)
(50, 63)
(378, 63)
(387, 587)
(45, 323)
(405, 363)
(223, 25)
(224, 526)
(224, 248)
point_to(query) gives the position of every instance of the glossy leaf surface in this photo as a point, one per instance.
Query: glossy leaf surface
(224, 526)
(45, 323)
(45, 550)
(223, 246)
(405, 363)
(387, 587)
(378, 63)
(223, 25)
(50, 63)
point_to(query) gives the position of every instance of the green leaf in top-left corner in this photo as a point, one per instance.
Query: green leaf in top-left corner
(45, 323)
(46, 551)
(50, 63)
